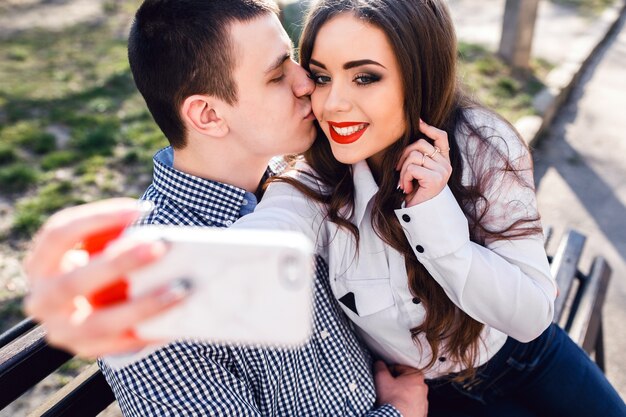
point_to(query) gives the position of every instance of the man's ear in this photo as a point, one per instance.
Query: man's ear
(203, 114)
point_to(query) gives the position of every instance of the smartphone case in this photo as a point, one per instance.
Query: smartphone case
(250, 287)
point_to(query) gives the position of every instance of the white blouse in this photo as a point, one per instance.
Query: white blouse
(506, 285)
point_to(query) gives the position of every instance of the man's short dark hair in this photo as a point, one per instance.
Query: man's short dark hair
(178, 48)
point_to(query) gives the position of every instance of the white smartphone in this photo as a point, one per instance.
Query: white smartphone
(251, 287)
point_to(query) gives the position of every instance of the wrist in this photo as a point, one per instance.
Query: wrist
(390, 408)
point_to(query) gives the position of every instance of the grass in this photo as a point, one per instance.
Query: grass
(7, 154)
(58, 159)
(17, 177)
(587, 6)
(28, 135)
(31, 212)
(78, 80)
(10, 310)
(492, 82)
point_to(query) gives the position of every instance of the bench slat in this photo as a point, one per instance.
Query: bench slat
(564, 266)
(26, 361)
(88, 394)
(16, 331)
(586, 327)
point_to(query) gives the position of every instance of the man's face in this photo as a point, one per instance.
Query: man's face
(273, 113)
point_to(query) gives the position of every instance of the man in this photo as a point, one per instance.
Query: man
(220, 82)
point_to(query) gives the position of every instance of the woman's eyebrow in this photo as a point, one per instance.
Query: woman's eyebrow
(361, 62)
(351, 64)
(317, 64)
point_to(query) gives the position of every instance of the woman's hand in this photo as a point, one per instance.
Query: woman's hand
(424, 168)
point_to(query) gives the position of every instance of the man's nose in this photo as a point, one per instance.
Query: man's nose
(302, 84)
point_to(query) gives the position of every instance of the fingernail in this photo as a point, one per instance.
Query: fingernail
(176, 291)
(160, 247)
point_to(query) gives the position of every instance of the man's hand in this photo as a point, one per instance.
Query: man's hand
(61, 279)
(405, 389)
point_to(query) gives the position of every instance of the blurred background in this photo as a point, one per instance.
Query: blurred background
(73, 129)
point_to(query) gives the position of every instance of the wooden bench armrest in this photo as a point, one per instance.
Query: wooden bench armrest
(85, 395)
(16, 331)
(26, 361)
(586, 323)
(548, 232)
(564, 266)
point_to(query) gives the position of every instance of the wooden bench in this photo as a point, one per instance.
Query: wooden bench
(578, 308)
(26, 359)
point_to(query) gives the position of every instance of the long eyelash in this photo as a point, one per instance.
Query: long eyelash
(372, 78)
(315, 77)
(279, 79)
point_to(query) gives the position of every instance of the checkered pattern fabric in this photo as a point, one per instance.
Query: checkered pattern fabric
(329, 376)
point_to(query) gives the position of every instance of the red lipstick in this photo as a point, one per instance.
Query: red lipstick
(345, 140)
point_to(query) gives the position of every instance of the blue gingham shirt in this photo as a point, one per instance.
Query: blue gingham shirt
(329, 376)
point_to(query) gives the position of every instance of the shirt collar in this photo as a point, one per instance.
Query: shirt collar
(365, 188)
(219, 202)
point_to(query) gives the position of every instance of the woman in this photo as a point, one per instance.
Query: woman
(432, 235)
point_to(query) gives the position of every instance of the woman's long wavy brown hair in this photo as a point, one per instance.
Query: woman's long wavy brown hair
(423, 39)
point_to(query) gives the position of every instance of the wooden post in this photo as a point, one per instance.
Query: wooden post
(518, 27)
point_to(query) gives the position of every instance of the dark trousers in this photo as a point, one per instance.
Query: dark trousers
(550, 376)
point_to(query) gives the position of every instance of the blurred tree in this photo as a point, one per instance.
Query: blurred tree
(518, 26)
(281, 6)
(292, 13)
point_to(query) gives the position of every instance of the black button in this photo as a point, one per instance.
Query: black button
(442, 359)
(406, 218)
(416, 300)
(419, 248)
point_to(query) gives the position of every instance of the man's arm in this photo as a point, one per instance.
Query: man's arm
(57, 280)
(201, 379)
(183, 379)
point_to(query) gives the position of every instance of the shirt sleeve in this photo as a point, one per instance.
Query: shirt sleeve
(505, 284)
(283, 207)
(386, 410)
(182, 380)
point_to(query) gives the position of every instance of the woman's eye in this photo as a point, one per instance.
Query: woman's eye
(365, 79)
(278, 79)
(319, 79)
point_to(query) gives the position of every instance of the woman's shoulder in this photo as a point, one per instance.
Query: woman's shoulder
(300, 171)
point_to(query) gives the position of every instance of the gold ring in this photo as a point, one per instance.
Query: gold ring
(435, 152)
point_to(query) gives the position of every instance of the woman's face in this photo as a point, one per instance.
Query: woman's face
(359, 98)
